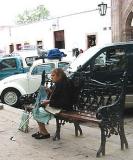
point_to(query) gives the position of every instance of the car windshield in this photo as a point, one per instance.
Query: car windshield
(63, 65)
(40, 68)
(83, 58)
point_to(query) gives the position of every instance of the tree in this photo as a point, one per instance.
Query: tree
(29, 16)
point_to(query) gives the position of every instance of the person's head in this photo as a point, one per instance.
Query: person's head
(58, 75)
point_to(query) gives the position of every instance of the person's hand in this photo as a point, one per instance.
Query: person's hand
(44, 102)
(48, 90)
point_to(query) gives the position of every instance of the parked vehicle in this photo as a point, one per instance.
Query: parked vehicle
(103, 62)
(28, 56)
(11, 66)
(16, 63)
(14, 86)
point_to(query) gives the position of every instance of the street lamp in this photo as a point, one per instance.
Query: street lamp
(102, 9)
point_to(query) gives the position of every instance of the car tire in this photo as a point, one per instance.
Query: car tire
(11, 97)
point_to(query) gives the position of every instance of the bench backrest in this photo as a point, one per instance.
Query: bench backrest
(99, 98)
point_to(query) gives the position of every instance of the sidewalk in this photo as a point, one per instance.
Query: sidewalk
(68, 148)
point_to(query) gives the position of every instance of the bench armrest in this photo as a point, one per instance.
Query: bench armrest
(114, 108)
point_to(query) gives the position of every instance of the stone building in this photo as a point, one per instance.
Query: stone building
(122, 20)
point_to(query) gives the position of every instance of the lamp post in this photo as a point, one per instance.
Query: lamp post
(102, 9)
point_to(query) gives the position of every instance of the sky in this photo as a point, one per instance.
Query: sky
(9, 9)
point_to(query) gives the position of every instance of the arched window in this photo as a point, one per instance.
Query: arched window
(129, 27)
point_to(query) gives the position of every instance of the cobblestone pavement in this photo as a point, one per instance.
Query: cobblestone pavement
(68, 148)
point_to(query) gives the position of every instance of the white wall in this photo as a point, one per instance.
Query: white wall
(76, 29)
(4, 38)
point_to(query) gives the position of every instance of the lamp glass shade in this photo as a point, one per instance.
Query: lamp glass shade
(102, 9)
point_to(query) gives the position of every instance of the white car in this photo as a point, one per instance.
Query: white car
(14, 86)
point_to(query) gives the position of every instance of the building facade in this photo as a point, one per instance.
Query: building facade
(122, 20)
(80, 30)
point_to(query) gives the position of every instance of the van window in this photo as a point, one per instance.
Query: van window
(111, 59)
(7, 64)
(40, 68)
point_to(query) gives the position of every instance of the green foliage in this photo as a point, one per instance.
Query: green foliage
(30, 16)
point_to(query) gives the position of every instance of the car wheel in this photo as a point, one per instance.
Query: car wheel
(11, 97)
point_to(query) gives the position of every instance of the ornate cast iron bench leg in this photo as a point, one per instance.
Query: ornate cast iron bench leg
(58, 128)
(78, 129)
(123, 137)
(103, 142)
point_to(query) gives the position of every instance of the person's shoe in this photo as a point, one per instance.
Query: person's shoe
(42, 136)
(35, 134)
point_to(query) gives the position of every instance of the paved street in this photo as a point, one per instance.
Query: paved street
(68, 148)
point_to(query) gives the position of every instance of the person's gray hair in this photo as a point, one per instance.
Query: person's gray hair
(60, 73)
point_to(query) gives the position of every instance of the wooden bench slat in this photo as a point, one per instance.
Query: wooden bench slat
(80, 117)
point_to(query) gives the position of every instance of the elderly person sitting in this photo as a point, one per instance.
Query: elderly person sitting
(60, 97)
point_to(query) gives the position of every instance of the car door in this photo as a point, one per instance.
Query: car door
(36, 75)
(130, 68)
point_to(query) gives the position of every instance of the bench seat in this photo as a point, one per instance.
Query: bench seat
(78, 117)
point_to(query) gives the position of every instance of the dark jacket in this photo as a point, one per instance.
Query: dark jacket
(61, 96)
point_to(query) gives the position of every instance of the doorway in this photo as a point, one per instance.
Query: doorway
(11, 48)
(18, 46)
(129, 27)
(59, 39)
(91, 40)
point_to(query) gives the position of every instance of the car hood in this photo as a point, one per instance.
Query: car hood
(83, 58)
(13, 78)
